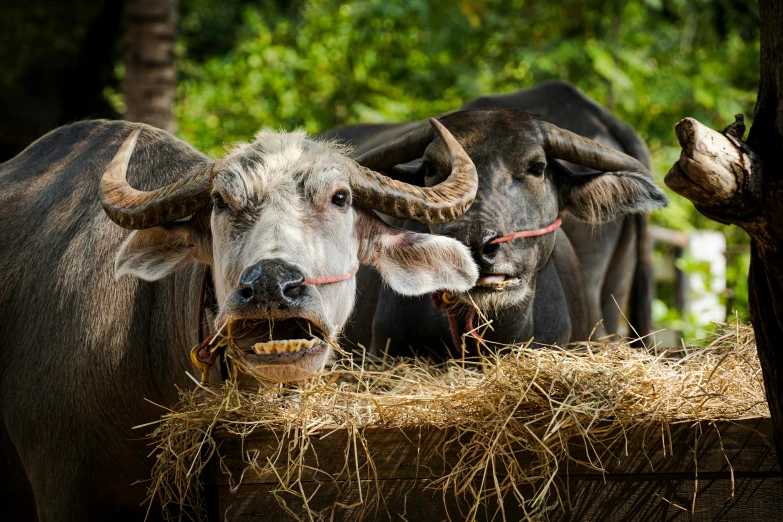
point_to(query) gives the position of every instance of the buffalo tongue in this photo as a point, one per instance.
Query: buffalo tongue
(488, 279)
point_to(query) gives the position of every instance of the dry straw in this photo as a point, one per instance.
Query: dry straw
(517, 399)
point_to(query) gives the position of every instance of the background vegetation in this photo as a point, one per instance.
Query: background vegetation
(316, 64)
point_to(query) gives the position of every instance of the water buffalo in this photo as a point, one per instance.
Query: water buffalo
(82, 352)
(614, 255)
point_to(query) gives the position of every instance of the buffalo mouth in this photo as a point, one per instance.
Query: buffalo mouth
(281, 341)
(488, 282)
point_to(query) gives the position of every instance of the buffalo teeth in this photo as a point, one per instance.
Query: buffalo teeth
(507, 282)
(287, 346)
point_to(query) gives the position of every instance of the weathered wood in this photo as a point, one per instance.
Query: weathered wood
(722, 176)
(765, 137)
(765, 297)
(717, 167)
(417, 453)
(643, 470)
(754, 499)
(415, 500)
(765, 280)
(426, 452)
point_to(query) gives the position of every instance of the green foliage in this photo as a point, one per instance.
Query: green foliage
(48, 30)
(318, 64)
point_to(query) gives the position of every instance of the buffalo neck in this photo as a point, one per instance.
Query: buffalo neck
(418, 324)
(165, 327)
(512, 325)
(543, 317)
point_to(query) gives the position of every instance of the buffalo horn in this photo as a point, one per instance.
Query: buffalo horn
(136, 209)
(568, 146)
(438, 204)
(400, 150)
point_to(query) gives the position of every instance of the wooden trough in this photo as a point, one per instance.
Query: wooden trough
(697, 471)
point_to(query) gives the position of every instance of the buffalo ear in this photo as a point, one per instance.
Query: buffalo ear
(156, 252)
(152, 254)
(601, 197)
(412, 263)
(411, 172)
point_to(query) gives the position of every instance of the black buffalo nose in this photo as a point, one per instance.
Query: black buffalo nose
(483, 249)
(271, 282)
(479, 240)
(489, 249)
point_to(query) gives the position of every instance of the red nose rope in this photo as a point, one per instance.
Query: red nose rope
(331, 279)
(529, 233)
(447, 302)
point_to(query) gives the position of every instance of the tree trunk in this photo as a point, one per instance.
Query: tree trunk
(150, 72)
(741, 184)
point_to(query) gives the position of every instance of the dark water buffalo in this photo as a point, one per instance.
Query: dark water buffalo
(607, 242)
(82, 351)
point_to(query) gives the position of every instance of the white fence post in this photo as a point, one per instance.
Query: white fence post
(695, 296)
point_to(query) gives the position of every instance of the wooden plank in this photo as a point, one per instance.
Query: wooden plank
(652, 475)
(412, 500)
(754, 499)
(687, 448)
(416, 453)
(412, 453)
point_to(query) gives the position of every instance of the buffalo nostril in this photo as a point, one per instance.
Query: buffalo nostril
(250, 275)
(490, 249)
(293, 291)
(246, 293)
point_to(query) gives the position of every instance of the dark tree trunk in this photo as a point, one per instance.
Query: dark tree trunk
(741, 184)
(150, 72)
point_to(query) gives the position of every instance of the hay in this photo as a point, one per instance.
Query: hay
(518, 399)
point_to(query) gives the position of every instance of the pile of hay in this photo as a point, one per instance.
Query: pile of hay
(525, 398)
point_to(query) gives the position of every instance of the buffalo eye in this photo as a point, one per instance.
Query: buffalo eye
(536, 169)
(340, 198)
(219, 202)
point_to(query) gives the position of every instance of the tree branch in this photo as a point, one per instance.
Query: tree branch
(722, 176)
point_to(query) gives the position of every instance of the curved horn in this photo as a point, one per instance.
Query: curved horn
(136, 209)
(407, 147)
(438, 204)
(568, 146)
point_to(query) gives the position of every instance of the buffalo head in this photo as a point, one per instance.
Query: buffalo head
(284, 222)
(529, 176)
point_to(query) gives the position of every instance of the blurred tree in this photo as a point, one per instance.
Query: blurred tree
(332, 62)
(150, 71)
(57, 60)
(320, 63)
(247, 64)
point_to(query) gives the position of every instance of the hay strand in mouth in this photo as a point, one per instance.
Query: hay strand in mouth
(518, 399)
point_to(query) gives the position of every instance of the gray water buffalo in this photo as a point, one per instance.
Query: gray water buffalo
(613, 252)
(283, 223)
